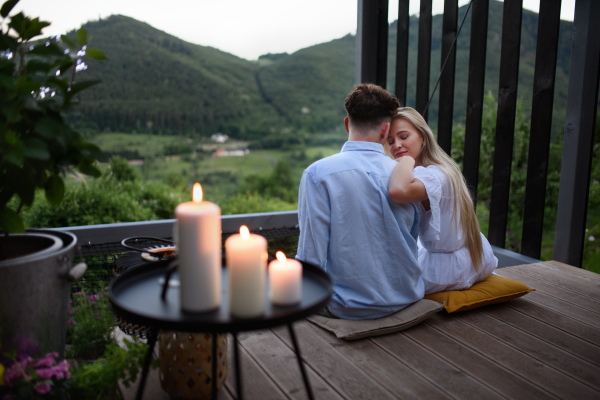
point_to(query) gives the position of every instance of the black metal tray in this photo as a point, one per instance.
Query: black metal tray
(136, 297)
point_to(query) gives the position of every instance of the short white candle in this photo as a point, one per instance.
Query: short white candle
(199, 253)
(246, 255)
(285, 276)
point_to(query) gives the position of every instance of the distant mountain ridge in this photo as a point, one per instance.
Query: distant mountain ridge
(156, 82)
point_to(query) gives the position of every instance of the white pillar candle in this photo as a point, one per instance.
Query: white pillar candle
(285, 276)
(246, 255)
(198, 240)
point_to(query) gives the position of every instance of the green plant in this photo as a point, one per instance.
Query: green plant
(90, 325)
(37, 88)
(99, 380)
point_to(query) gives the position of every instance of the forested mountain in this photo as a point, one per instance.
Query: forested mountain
(155, 82)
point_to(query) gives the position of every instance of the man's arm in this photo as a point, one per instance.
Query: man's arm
(314, 216)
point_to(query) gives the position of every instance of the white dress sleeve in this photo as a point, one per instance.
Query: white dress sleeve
(433, 185)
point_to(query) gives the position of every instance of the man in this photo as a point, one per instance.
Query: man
(350, 227)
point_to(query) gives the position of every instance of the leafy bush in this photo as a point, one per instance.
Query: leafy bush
(246, 203)
(99, 380)
(90, 325)
(278, 184)
(121, 170)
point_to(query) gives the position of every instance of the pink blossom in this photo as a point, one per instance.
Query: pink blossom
(11, 376)
(94, 298)
(70, 323)
(63, 368)
(42, 388)
(98, 315)
(45, 373)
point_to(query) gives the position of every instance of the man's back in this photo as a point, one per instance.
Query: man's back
(350, 227)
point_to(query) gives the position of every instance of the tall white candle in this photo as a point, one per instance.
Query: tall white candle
(246, 265)
(285, 276)
(199, 253)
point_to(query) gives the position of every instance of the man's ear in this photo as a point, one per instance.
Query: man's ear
(385, 130)
(346, 122)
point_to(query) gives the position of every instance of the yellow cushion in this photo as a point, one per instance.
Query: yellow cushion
(493, 289)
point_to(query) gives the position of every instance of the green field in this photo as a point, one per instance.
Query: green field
(220, 176)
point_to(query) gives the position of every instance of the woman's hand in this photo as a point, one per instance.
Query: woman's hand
(403, 187)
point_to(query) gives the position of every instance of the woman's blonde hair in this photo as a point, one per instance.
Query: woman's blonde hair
(432, 154)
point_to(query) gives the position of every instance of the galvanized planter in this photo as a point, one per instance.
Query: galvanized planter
(34, 293)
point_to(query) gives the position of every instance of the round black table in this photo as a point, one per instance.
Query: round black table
(136, 297)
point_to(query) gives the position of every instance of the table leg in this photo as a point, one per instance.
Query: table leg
(215, 337)
(238, 375)
(152, 336)
(299, 357)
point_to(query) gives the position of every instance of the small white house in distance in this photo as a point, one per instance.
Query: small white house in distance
(219, 138)
(227, 153)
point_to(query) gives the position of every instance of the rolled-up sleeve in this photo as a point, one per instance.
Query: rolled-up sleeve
(314, 216)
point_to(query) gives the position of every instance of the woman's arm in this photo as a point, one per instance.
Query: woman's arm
(403, 187)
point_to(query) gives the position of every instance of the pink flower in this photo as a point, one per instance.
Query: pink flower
(98, 315)
(42, 388)
(62, 370)
(94, 298)
(11, 376)
(70, 323)
(45, 373)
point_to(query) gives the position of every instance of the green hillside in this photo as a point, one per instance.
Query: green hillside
(155, 82)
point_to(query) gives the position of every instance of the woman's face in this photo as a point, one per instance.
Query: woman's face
(404, 139)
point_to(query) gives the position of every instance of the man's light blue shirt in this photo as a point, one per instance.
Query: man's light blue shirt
(350, 227)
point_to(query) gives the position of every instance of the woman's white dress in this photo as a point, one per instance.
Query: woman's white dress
(443, 255)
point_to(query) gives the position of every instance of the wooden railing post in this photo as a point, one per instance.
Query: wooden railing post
(505, 122)
(578, 139)
(541, 127)
(446, 98)
(424, 57)
(479, 27)
(371, 42)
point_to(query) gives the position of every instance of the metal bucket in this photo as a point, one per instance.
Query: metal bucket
(34, 293)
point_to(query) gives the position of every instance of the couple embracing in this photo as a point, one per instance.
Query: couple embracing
(389, 228)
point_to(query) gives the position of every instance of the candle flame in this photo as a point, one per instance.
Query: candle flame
(244, 232)
(280, 256)
(197, 193)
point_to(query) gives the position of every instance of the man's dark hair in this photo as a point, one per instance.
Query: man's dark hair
(369, 105)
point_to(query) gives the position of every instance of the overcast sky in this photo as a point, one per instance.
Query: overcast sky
(246, 28)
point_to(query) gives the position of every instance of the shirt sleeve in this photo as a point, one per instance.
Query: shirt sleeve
(314, 218)
(433, 186)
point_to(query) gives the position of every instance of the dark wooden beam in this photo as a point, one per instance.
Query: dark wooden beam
(424, 57)
(541, 127)
(580, 121)
(505, 122)
(448, 55)
(402, 51)
(478, 48)
(371, 42)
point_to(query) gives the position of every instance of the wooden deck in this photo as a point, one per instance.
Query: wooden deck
(543, 345)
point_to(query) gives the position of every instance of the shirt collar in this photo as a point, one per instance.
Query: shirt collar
(363, 146)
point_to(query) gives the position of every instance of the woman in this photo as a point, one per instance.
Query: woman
(452, 251)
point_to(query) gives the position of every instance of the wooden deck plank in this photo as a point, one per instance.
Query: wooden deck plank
(378, 364)
(566, 295)
(576, 283)
(256, 383)
(439, 372)
(569, 269)
(545, 377)
(280, 362)
(477, 365)
(558, 305)
(348, 379)
(551, 355)
(556, 319)
(547, 332)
